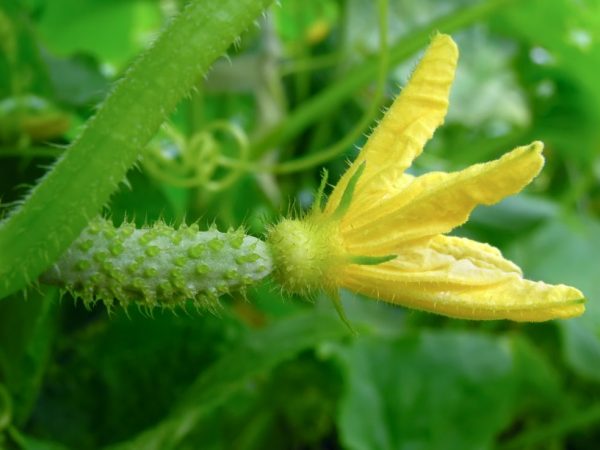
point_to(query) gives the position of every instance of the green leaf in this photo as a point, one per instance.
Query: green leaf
(293, 406)
(112, 30)
(514, 214)
(568, 254)
(539, 383)
(27, 329)
(26, 442)
(570, 55)
(259, 351)
(118, 363)
(436, 390)
(77, 80)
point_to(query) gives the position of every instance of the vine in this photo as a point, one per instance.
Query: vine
(195, 161)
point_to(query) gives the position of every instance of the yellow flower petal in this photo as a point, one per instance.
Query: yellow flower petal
(408, 124)
(465, 279)
(438, 202)
(444, 261)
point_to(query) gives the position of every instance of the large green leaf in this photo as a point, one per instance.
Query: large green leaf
(27, 329)
(570, 56)
(257, 353)
(436, 390)
(118, 363)
(113, 30)
(562, 253)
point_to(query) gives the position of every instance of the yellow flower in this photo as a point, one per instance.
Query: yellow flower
(381, 233)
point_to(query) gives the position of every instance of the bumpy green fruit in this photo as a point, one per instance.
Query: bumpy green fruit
(159, 265)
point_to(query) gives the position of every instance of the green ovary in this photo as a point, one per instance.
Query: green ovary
(305, 253)
(158, 266)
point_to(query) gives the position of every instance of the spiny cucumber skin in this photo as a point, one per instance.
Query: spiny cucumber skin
(159, 265)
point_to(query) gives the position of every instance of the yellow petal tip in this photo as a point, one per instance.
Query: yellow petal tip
(536, 146)
(441, 39)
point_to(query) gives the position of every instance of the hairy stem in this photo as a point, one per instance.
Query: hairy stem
(81, 181)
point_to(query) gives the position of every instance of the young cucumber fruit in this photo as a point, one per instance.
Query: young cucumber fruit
(158, 265)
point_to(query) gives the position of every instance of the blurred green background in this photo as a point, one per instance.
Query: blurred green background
(273, 372)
